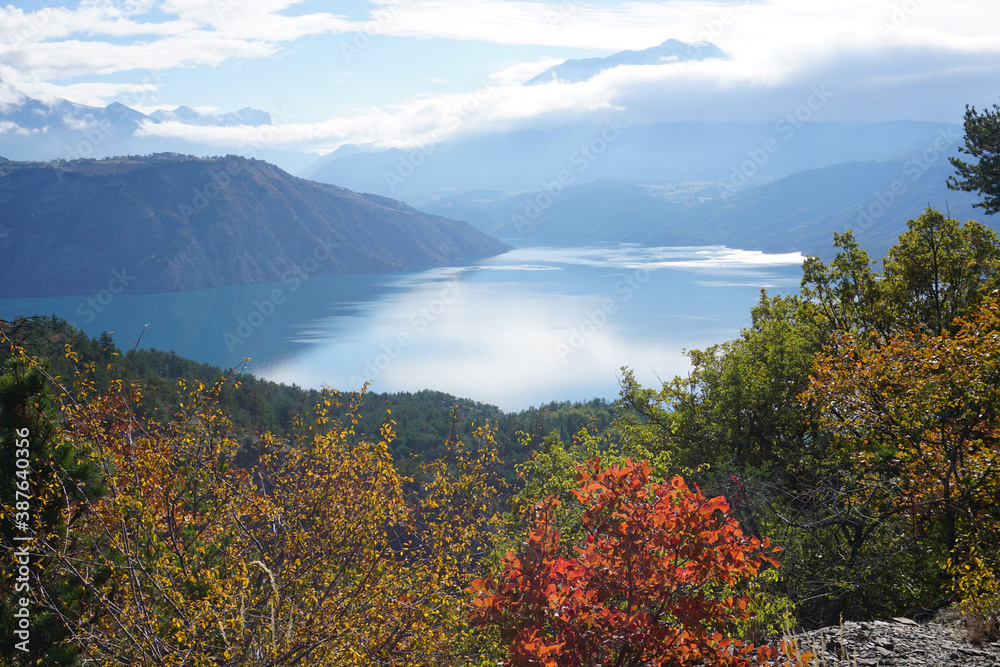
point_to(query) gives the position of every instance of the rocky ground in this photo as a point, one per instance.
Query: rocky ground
(897, 643)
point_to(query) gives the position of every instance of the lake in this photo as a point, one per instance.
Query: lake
(521, 329)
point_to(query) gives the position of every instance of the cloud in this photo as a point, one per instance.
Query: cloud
(766, 25)
(47, 61)
(519, 73)
(104, 37)
(880, 59)
(9, 127)
(857, 83)
(421, 121)
(9, 95)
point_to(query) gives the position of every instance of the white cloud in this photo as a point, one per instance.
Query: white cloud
(858, 84)
(876, 56)
(518, 73)
(54, 44)
(9, 127)
(421, 121)
(9, 95)
(775, 34)
(48, 61)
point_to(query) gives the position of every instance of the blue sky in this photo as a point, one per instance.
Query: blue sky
(400, 72)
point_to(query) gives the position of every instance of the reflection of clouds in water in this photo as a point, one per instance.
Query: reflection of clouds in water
(501, 353)
(507, 335)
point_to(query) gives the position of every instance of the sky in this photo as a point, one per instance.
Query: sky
(408, 73)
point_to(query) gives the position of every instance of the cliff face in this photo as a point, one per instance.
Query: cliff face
(170, 223)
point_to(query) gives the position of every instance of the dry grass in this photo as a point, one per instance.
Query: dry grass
(815, 654)
(980, 620)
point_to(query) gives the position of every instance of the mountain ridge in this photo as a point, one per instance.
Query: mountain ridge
(172, 223)
(799, 212)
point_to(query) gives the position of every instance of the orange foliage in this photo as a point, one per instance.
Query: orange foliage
(649, 584)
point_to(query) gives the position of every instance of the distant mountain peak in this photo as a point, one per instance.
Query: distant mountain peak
(189, 116)
(672, 50)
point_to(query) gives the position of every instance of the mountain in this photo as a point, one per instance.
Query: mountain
(796, 213)
(62, 130)
(657, 153)
(169, 222)
(802, 211)
(189, 116)
(670, 51)
(600, 211)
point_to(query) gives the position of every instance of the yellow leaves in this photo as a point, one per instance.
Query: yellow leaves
(321, 547)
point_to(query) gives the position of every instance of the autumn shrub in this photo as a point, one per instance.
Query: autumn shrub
(770, 612)
(648, 583)
(977, 587)
(321, 553)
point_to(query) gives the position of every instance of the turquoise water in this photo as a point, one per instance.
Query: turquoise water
(524, 328)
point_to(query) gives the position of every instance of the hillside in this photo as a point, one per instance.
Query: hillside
(171, 223)
(796, 213)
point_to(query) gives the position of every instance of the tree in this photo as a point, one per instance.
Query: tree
(846, 293)
(939, 270)
(320, 554)
(39, 493)
(982, 141)
(919, 415)
(739, 412)
(649, 583)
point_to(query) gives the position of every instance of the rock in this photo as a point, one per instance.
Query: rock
(903, 642)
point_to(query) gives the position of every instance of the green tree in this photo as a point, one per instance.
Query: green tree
(57, 481)
(939, 270)
(846, 293)
(739, 413)
(982, 141)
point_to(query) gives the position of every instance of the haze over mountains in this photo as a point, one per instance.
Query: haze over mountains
(781, 186)
(796, 213)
